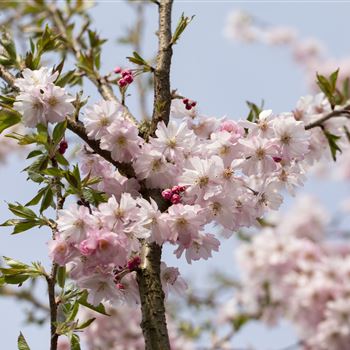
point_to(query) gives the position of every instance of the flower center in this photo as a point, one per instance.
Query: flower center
(260, 153)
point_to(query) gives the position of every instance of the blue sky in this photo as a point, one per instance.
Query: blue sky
(221, 76)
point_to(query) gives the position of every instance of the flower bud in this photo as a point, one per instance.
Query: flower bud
(166, 194)
(175, 199)
(63, 147)
(117, 70)
(122, 82)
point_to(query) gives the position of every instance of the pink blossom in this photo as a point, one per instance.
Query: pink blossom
(122, 140)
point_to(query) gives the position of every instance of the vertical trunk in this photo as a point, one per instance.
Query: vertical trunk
(152, 300)
(151, 293)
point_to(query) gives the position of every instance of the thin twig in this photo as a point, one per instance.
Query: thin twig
(344, 112)
(162, 92)
(25, 295)
(72, 45)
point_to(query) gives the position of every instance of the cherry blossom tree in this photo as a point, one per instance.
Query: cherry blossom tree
(139, 183)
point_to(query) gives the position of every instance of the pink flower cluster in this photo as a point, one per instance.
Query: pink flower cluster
(40, 100)
(101, 246)
(294, 271)
(210, 171)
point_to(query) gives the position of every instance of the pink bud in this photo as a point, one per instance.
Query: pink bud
(185, 101)
(175, 199)
(120, 286)
(166, 194)
(117, 70)
(277, 159)
(134, 263)
(63, 147)
(176, 189)
(129, 79)
(193, 103)
(126, 72)
(182, 188)
(122, 82)
(188, 107)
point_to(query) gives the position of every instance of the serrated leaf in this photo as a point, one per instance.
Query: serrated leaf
(61, 276)
(8, 118)
(75, 342)
(22, 343)
(36, 199)
(239, 321)
(86, 323)
(14, 263)
(47, 199)
(332, 142)
(61, 160)
(58, 132)
(52, 172)
(34, 153)
(181, 26)
(99, 308)
(66, 78)
(21, 211)
(24, 225)
(73, 312)
(16, 279)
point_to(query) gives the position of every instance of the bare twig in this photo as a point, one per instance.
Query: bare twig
(25, 295)
(72, 45)
(162, 93)
(344, 112)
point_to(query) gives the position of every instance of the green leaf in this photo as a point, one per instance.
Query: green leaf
(36, 199)
(181, 26)
(14, 263)
(34, 153)
(75, 342)
(52, 172)
(58, 132)
(254, 112)
(16, 279)
(99, 308)
(239, 321)
(25, 225)
(22, 343)
(86, 323)
(61, 160)
(21, 211)
(332, 142)
(328, 87)
(137, 59)
(61, 276)
(47, 199)
(94, 197)
(8, 118)
(66, 78)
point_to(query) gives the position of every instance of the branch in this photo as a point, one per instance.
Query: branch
(51, 279)
(78, 128)
(153, 323)
(344, 112)
(24, 295)
(162, 93)
(72, 45)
